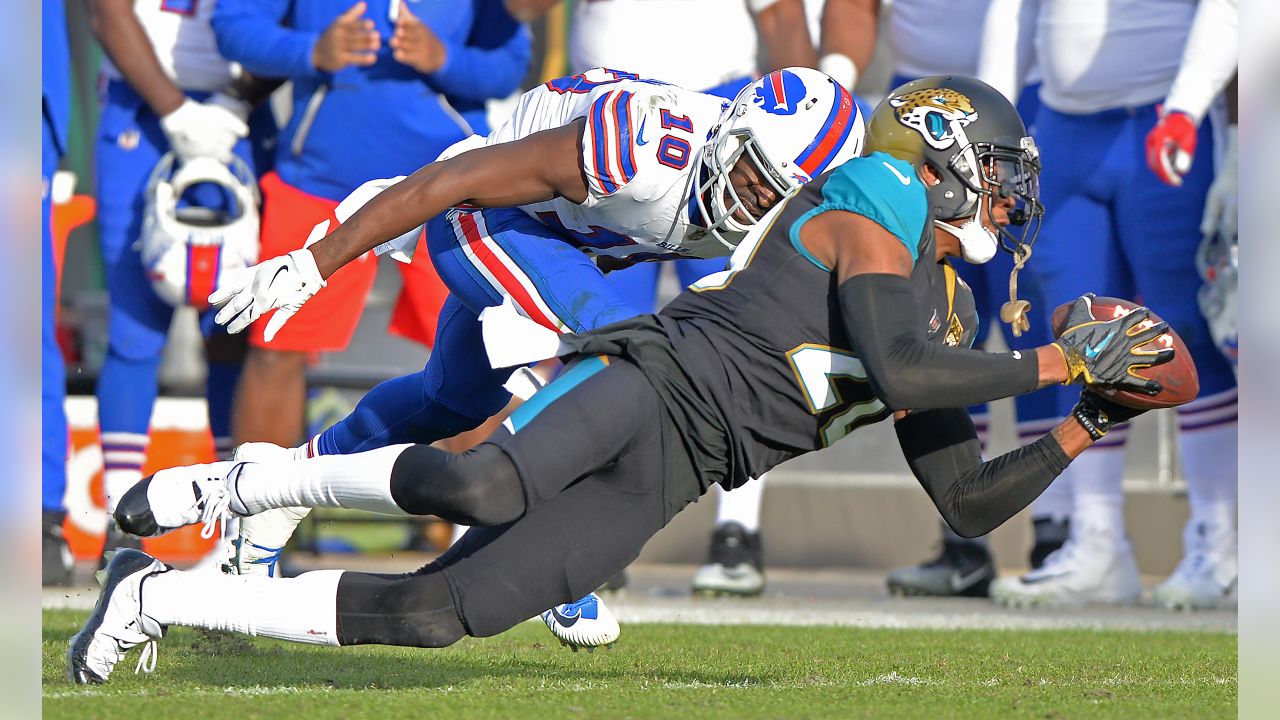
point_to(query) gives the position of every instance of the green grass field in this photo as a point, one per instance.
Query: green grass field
(670, 671)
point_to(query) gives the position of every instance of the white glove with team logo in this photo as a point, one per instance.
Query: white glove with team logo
(282, 284)
(209, 129)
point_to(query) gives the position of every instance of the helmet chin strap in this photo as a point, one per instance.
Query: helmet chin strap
(977, 244)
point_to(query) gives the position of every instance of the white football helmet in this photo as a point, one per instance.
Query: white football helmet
(187, 249)
(793, 124)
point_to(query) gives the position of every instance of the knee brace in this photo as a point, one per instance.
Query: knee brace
(411, 610)
(478, 487)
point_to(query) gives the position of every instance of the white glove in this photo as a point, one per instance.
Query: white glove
(208, 129)
(282, 284)
(1222, 206)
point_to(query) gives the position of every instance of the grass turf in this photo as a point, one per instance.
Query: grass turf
(664, 671)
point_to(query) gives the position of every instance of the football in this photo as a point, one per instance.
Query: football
(1178, 376)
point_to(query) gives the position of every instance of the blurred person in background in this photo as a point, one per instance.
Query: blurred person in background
(750, 37)
(373, 87)
(1130, 106)
(943, 37)
(55, 120)
(166, 90)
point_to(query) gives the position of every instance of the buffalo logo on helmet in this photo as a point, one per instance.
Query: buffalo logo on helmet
(780, 93)
(938, 114)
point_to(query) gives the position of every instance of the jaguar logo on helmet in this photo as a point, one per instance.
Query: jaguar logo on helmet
(938, 114)
(780, 93)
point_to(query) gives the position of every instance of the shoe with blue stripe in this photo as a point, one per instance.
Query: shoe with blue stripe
(587, 624)
(249, 558)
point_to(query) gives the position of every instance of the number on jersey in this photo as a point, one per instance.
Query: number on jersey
(834, 381)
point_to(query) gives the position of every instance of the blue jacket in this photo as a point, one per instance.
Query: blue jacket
(379, 121)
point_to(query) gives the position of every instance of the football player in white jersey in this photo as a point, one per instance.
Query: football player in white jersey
(1115, 226)
(592, 171)
(166, 90)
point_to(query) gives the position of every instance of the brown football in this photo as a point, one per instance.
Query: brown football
(1178, 376)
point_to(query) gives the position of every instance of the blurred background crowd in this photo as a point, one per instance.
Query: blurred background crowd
(287, 106)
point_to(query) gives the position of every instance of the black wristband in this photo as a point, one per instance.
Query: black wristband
(1097, 415)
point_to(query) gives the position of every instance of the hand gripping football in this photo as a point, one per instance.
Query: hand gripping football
(1179, 378)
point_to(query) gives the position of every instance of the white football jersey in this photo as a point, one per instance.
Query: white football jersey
(641, 36)
(638, 149)
(183, 39)
(1100, 54)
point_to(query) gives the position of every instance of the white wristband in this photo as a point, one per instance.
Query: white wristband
(840, 67)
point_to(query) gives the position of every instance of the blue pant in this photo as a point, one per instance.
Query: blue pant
(482, 256)
(53, 450)
(1112, 228)
(129, 144)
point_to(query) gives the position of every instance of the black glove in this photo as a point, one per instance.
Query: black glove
(1107, 352)
(1097, 415)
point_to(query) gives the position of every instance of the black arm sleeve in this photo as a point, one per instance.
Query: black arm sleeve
(973, 496)
(883, 320)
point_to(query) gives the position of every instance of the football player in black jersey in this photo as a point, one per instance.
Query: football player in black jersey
(843, 312)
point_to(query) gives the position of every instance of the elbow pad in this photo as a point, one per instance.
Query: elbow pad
(886, 330)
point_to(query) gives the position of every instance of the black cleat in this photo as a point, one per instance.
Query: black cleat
(117, 624)
(56, 561)
(116, 539)
(1050, 534)
(962, 569)
(735, 565)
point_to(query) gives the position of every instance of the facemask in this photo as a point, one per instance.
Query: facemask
(977, 243)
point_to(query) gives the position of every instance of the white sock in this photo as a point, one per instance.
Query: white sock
(1055, 502)
(1098, 509)
(361, 481)
(123, 455)
(302, 609)
(741, 505)
(1210, 463)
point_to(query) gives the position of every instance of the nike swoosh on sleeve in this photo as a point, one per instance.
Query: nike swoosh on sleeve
(640, 135)
(901, 178)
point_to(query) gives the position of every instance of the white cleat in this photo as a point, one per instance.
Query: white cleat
(1207, 573)
(587, 623)
(742, 580)
(181, 496)
(261, 538)
(1080, 573)
(117, 624)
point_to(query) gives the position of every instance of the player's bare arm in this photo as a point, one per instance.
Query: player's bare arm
(848, 38)
(126, 43)
(540, 167)
(193, 129)
(784, 34)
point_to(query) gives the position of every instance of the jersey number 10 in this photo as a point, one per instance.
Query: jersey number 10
(673, 151)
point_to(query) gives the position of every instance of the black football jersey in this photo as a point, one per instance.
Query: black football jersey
(765, 341)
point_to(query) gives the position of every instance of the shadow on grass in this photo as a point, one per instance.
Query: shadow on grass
(190, 659)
